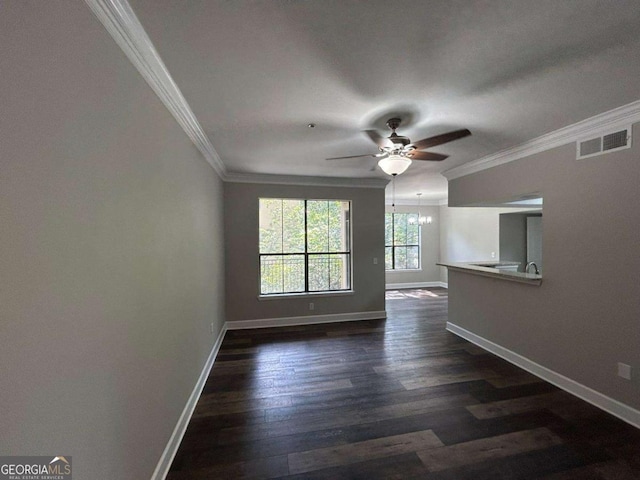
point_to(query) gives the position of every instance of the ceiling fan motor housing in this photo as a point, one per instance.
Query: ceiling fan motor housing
(394, 123)
(394, 138)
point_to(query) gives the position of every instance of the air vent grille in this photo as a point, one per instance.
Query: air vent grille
(614, 140)
(589, 147)
(604, 143)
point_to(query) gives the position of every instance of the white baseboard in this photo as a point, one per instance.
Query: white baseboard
(305, 320)
(608, 404)
(162, 468)
(400, 286)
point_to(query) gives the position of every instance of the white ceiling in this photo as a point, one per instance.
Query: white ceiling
(256, 73)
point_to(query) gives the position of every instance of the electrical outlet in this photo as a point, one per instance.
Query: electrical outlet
(211, 327)
(493, 254)
(624, 371)
(311, 306)
(375, 260)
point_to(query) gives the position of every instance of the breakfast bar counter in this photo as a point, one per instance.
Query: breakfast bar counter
(494, 269)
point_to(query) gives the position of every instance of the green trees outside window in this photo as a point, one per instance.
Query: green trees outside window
(305, 245)
(402, 241)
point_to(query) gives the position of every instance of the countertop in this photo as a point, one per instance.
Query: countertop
(487, 269)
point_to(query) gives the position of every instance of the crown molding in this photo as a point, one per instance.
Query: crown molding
(305, 180)
(414, 203)
(125, 28)
(617, 118)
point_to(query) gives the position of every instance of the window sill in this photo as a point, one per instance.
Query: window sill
(286, 296)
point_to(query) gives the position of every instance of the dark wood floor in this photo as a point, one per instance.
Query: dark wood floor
(394, 399)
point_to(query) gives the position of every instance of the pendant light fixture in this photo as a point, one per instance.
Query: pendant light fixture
(422, 220)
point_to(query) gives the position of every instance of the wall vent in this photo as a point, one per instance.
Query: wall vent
(610, 142)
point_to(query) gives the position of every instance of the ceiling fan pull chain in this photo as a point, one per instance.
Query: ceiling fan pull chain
(393, 193)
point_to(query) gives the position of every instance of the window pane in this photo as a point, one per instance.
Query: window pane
(339, 272)
(317, 226)
(270, 225)
(413, 257)
(318, 273)
(399, 228)
(388, 259)
(281, 273)
(271, 274)
(293, 273)
(281, 225)
(338, 226)
(388, 229)
(400, 257)
(329, 272)
(293, 226)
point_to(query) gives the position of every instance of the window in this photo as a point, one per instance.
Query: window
(305, 245)
(402, 241)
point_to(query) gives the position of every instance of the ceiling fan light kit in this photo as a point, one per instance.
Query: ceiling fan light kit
(394, 164)
(397, 151)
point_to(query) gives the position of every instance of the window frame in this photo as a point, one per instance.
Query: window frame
(393, 245)
(307, 254)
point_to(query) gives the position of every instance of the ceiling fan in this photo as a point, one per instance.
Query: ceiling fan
(396, 152)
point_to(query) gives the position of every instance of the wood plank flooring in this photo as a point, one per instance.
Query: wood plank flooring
(394, 399)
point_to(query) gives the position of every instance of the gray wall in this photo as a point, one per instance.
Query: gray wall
(429, 253)
(469, 234)
(583, 319)
(241, 237)
(112, 249)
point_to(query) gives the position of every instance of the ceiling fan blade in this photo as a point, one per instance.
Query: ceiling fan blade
(378, 139)
(435, 157)
(353, 156)
(440, 139)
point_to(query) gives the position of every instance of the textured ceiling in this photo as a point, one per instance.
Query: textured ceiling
(257, 72)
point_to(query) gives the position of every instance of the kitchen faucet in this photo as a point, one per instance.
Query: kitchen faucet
(536, 271)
